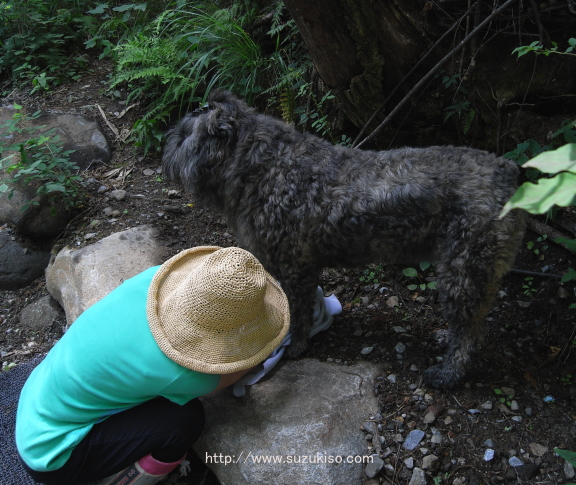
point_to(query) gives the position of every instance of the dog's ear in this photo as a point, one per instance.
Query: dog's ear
(220, 122)
(225, 112)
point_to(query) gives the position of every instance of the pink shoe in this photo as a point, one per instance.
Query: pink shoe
(146, 471)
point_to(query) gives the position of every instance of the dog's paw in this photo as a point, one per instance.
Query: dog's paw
(440, 377)
(295, 349)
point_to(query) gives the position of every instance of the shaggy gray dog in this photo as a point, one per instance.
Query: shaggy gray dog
(300, 204)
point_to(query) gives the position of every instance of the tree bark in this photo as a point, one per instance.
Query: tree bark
(363, 49)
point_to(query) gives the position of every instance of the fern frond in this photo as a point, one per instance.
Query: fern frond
(287, 102)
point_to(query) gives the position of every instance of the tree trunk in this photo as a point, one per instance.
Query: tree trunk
(363, 50)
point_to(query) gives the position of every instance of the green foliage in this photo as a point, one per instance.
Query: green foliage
(530, 148)
(372, 274)
(503, 398)
(558, 190)
(462, 108)
(539, 49)
(524, 152)
(413, 273)
(539, 247)
(41, 41)
(185, 51)
(529, 290)
(116, 24)
(42, 162)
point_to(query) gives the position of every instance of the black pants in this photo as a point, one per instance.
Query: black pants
(160, 427)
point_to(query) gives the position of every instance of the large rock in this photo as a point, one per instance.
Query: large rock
(307, 409)
(41, 313)
(76, 133)
(46, 218)
(19, 265)
(79, 278)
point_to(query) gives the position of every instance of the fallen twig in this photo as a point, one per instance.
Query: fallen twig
(110, 125)
(125, 110)
(544, 229)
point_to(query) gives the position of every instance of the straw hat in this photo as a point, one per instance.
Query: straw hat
(216, 310)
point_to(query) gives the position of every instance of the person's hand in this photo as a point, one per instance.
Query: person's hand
(229, 379)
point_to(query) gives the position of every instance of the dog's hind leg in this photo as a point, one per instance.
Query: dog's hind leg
(468, 279)
(301, 293)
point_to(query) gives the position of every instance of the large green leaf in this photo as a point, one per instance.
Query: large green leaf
(561, 160)
(569, 456)
(538, 198)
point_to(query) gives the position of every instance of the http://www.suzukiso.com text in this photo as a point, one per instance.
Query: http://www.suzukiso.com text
(276, 459)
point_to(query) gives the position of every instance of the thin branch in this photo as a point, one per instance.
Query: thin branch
(535, 273)
(401, 83)
(432, 71)
(544, 37)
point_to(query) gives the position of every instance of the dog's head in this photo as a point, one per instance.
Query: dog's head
(203, 140)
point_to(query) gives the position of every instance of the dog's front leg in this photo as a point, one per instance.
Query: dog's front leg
(301, 293)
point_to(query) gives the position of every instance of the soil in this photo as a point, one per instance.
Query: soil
(519, 399)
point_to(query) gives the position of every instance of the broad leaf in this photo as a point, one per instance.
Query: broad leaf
(538, 198)
(98, 9)
(569, 243)
(561, 160)
(569, 456)
(410, 272)
(568, 276)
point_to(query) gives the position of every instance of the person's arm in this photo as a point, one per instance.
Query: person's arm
(229, 379)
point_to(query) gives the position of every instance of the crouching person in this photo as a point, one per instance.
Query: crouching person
(116, 399)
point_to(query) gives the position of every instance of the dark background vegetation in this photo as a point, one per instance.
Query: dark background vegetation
(331, 67)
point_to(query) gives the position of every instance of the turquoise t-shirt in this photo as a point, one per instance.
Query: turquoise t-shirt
(107, 362)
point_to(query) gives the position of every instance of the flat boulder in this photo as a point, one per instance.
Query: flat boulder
(302, 424)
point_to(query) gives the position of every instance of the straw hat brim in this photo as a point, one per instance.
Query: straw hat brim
(217, 351)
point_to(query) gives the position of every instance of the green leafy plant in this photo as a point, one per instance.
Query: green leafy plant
(464, 112)
(540, 246)
(413, 273)
(559, 189)
(503, 398)
(539, 49)
(461, 107)
(524, 152)
(185, 51)
(117, 24)
(529, 290)
(567, 380)
(372, 274)
(41, 162)
(41, 41)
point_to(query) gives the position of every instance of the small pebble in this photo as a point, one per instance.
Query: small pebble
(400, 348)
(413, 439)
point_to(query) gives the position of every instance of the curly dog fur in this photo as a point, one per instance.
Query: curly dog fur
(299, 204)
